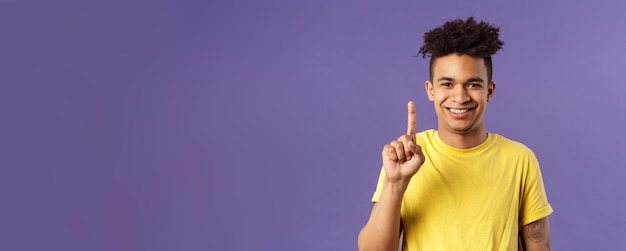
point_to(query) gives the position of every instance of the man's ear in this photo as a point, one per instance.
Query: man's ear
(429, 90)
(491, 89)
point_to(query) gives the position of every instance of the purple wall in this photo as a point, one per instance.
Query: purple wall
(258, 125)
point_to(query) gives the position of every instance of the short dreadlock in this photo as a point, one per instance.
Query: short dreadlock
(462, 37)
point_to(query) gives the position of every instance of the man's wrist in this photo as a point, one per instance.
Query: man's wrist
(396, 187)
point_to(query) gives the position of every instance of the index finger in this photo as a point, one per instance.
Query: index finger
(411, 128)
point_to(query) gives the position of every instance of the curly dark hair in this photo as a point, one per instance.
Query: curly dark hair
(462, 37)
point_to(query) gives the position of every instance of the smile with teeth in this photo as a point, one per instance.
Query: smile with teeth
(458, 111)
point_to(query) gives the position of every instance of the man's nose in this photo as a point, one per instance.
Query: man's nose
(459, 95)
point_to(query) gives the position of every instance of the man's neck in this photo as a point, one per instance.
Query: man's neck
(463, 141)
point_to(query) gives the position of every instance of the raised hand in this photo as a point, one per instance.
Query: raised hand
(402, 157)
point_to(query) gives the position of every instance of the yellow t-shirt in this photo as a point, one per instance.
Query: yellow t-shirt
(471, 199)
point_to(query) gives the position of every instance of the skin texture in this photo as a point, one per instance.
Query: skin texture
(459, 82)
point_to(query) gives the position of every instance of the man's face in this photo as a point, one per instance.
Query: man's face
(460, 93)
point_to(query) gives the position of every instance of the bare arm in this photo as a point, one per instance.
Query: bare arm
(536, 235)
(382, 230)
(402, 158)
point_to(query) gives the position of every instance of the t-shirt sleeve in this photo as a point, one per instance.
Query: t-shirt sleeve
(379, 186)
(534, 204)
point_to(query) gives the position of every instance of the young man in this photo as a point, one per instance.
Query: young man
(458, 188)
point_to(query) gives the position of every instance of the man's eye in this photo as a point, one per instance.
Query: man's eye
(446, 84)
(474, 85)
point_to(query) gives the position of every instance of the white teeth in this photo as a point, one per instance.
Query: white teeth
(458, 111)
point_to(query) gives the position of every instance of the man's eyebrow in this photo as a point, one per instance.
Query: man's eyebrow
(445, 79)
(475, 79)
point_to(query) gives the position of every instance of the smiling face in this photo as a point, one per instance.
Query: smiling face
(460, 93)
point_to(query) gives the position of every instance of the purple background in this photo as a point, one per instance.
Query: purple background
(258, 125)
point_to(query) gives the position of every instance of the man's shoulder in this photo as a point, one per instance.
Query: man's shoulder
(427, 133)
(426, 136)
(503, 142)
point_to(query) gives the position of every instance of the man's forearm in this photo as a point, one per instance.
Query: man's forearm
(382, 230)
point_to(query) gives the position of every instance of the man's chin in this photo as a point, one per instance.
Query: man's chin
(461, 130)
